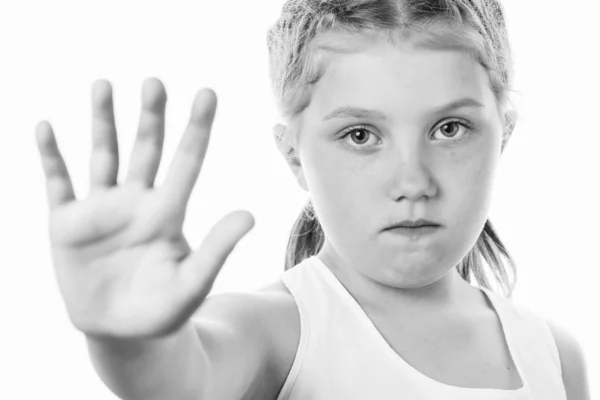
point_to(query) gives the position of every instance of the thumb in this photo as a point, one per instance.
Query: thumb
(200, 268)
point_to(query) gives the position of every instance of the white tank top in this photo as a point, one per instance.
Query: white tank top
(342, 355)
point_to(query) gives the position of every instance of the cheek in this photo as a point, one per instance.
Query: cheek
(475, 165)
(340, 194)
(472, 185)
(331, 177)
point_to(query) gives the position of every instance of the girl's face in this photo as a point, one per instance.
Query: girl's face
(400, 134)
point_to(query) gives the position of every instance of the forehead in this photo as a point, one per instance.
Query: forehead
(401, 81)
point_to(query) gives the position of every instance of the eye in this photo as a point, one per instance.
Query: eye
(450, 129)
(360, 132)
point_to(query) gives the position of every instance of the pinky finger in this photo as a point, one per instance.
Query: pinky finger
(58, 182)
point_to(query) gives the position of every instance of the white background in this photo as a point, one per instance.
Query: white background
(546, 199)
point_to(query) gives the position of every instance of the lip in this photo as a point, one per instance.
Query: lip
(408, 224)
(414, 233)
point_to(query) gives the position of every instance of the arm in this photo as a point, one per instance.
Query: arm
(130, 280)
(223, 354)
(167, 367)
(572, 360)
(239, 336)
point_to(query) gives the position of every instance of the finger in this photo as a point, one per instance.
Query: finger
(104, 162)
(189, 156)
(59, 188)
(200, 269)
(147, 150)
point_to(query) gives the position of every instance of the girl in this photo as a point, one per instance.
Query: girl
(395, 116)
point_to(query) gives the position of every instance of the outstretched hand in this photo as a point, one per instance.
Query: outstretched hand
(123, 266)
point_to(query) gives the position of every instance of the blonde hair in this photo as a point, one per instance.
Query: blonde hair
(300, 42)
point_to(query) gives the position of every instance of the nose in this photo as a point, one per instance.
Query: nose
(412, 176)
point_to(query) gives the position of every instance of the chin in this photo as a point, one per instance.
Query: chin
(413, 275)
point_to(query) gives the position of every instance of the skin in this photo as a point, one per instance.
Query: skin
(402, 167)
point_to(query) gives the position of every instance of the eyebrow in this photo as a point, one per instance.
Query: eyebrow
(357, 112)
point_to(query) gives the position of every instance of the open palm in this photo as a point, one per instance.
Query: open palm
(123, 266)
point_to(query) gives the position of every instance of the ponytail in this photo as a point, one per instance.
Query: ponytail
(306, 239)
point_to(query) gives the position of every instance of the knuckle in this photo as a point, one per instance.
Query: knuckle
(151, 126)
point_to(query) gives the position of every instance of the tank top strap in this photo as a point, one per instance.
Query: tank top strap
(534, 345)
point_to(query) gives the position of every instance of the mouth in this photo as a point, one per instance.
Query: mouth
(414, 232)
(420, 223)
(415, 227)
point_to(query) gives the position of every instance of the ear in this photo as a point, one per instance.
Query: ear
(284, 141)
(509, 123)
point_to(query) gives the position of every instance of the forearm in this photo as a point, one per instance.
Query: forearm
(167, 368)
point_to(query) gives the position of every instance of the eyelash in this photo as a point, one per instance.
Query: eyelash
(464, 123)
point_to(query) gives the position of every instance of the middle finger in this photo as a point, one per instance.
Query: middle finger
(147, 150)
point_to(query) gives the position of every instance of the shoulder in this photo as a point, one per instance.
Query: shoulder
(264, 304)
(271, 309)
(249, 340)
(572, 361)
(267, 299)
(283, 318)
(270, 313)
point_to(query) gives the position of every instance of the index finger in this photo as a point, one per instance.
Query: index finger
(189, 157)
